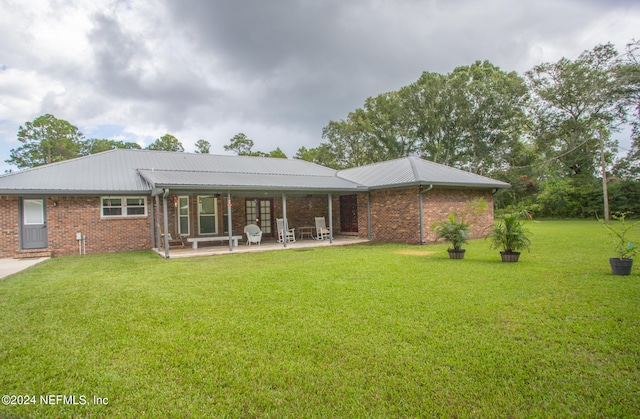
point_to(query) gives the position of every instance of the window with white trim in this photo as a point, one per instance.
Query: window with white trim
(207, 215)
(123, 206)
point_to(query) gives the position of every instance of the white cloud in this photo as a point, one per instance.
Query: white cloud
(278, 71)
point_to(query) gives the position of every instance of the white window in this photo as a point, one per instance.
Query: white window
(208, 215)
(183, 215)
(124, 206)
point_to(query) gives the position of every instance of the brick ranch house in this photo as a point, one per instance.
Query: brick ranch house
(125, 200)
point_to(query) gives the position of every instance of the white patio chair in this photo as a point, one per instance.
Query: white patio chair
(322, 232)
(291, 232)
(254, 234)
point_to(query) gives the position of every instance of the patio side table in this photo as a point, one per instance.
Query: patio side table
(306, 231)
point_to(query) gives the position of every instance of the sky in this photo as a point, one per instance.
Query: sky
(277, 71)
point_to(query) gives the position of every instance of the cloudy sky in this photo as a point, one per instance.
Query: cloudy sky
(276, 70)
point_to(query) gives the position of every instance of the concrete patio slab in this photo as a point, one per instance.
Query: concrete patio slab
(12, 266)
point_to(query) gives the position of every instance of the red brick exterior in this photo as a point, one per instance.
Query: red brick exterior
(68, 215)
(394, 218)
(395, 213)
(9, 221)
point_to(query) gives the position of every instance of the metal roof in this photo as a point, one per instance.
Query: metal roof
(409, 171)
(245, 181)
(142, 172)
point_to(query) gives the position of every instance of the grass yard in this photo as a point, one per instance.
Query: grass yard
(361, 331)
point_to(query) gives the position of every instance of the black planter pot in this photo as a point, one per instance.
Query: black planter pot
(456, 254)
(621, 266)
(510, 256)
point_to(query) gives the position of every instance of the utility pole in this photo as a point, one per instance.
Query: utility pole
(605, 192)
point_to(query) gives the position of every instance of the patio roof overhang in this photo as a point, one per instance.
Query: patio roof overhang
(159, 180)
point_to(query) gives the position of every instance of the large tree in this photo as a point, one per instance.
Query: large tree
(203, 147)
(577, 101)
(46, 139)
(240, 144)
(166, 143)
(491, 114)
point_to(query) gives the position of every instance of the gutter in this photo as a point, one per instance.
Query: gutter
(422, 191)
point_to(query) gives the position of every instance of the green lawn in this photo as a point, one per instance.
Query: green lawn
(361, 331)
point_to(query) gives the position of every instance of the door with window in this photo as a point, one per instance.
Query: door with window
(259, 211)
(349, 213)
(33, 223)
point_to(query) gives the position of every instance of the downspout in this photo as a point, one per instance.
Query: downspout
(229, 221)
(153, 222)
(158, 238)
(166, 223)
(421, 191)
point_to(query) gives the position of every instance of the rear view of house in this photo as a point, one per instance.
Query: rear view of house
(123, 200)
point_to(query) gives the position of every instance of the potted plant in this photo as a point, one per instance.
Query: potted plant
(510, 235)
(624, 248)
(455, 231)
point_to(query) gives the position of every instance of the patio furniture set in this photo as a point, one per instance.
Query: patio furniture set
(254, 234)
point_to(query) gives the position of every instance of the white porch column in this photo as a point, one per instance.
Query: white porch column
(229, 222)
(330, 219)
(284, 220)
(166, 223)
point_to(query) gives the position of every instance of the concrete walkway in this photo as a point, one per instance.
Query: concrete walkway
(12, 266)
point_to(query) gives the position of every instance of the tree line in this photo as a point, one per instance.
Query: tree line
(548, 132)
(48, 139)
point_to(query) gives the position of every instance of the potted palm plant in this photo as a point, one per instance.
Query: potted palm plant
(623, 247)
(510, 235)
(455, 231)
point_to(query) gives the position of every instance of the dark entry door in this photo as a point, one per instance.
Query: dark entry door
(34, 223)
(349, 213)
(259, 211)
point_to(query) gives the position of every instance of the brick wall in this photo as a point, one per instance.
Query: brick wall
(395, 213)
(394, 218)
(9, 234)
(73, 214)
(68, 215)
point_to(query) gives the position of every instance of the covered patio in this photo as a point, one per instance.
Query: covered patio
(205, 212)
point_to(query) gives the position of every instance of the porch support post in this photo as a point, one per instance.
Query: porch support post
(153, 222)
(166, 223)
(330, 219)
(369, 232)
(229, 221)
(284, 220)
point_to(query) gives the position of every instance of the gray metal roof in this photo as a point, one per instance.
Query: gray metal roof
(142, 172)
(416, 171)
(245, 181)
